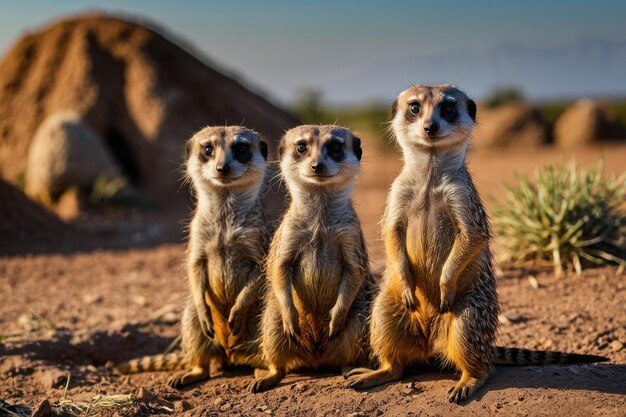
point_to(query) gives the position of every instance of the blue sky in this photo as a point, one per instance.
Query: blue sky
(356, 51)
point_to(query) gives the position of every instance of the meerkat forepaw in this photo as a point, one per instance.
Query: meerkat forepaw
(447, 301)
(236, 320)
(337, 323)
(206, 324)
(335, 330)
(291, 328)
(409, 299)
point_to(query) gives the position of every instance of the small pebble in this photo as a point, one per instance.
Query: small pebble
(616, 346)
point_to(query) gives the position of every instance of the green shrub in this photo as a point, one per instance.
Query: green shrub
(567, 215)
(503, 95)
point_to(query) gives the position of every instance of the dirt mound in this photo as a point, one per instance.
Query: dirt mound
(141, 93)
(65, 153)
(586, 122)
(21, 220)
(510, 125)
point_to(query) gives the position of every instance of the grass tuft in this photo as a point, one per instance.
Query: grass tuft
(570, 216)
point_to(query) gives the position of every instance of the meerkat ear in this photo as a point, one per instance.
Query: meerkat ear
(471, 108)
(394, 108)
(356, 147)
(263, 149)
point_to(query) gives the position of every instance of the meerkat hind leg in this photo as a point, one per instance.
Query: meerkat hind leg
(465, 388)
(269, 380)
(386, 373)
(349, 373)
(188, 377)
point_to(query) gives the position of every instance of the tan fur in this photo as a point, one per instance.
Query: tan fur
(438, 298)
(228, 241)
(316, 310)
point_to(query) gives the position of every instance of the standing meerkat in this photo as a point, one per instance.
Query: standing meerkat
(438, 297)
(316, 309)
(228, 241)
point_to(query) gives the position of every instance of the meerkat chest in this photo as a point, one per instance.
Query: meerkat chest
(319, 271)
(430, 230)
(231, 254)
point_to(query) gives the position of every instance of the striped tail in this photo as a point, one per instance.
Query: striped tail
(168, 362)
(506, 356)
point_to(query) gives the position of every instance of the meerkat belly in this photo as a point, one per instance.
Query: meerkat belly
(228, 272)
(429, 240)
(317, 279)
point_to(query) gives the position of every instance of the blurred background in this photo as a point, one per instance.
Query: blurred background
(96, 100)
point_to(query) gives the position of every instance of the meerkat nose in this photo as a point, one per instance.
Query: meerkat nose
(431, 127)
(223, 168)
(317, 167)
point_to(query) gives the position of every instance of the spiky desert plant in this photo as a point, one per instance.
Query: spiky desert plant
(568, 215)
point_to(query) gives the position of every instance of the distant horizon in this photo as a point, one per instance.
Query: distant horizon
(362, 53)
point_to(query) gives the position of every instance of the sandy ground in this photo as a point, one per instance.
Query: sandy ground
(74, 311)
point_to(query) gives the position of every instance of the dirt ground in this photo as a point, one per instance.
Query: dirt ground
(73, 309)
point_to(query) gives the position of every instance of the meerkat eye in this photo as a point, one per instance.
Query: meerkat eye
(242, 148)
(208, 150)
(301, 147)
(415, 108)
(448, 107)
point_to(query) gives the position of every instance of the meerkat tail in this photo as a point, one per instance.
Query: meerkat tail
(168, 362)
(506, 356)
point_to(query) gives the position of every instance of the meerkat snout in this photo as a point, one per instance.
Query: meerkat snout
(230, 156)
(320, 155)
(433, 117)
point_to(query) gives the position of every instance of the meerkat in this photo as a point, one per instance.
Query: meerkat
(318, 269)
(228, 241)
(438, 296)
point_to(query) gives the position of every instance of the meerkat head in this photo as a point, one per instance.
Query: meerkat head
(433, 117)
(226, 157)
(320, 156)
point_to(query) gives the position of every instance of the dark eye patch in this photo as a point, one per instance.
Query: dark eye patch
(242, 152)
(335, 150)
(449, 111)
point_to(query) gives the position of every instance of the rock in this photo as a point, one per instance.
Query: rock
(586, 122)
(218, 402)
(43, 410)
(225, 407)
(301, 387)
(54, 378)
(65, 153)
(510, 125)
(144, 394)
(616, 346)
(533, 282)
(93, 298)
